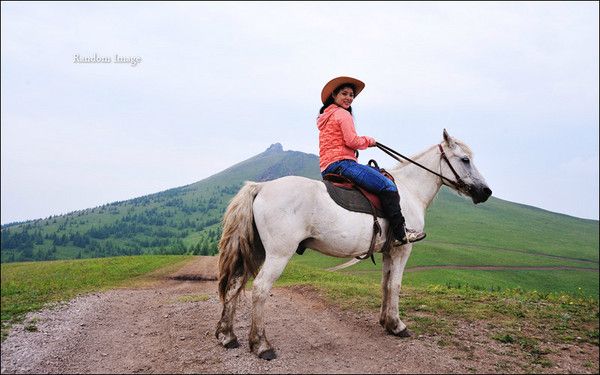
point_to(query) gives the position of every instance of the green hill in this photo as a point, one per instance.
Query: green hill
(183, 220)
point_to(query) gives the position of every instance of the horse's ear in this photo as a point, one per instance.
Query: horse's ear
(448, 139)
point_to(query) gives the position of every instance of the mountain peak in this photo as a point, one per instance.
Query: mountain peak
(275, 148)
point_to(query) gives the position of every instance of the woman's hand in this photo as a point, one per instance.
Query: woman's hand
(372, 141)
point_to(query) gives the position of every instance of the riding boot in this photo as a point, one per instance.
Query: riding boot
(390, 204)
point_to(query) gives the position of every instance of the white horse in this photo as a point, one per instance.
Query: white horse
(266, 222)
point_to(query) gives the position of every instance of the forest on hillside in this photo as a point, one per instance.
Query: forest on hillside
(177, 221)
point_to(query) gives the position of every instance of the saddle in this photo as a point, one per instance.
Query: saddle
(354, 198)
(350, 196)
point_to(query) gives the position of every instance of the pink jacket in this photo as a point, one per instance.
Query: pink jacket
(337, 136)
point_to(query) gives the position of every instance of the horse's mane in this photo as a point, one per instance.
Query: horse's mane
(460, 144)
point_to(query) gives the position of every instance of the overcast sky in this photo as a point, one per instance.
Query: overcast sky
(219, 82)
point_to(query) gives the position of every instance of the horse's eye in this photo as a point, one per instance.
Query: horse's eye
(465, 160)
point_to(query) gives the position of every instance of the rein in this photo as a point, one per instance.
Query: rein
(459, 183)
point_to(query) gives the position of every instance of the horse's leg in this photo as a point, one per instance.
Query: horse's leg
(385, 287)
(271, 270)
(393, 270)
(224, 331)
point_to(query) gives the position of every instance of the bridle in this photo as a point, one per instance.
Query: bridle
(458, 183)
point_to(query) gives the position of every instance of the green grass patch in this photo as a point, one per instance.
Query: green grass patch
(578, 283)
(31, 326)
(29, 286)
(504, 338)
(429, 253)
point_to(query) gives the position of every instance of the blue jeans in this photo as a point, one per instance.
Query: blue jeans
(363, 175)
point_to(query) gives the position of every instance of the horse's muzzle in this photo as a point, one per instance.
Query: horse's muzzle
(480, 194)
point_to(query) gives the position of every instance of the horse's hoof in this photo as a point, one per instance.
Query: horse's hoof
(232, 344)
(404, 333)
(268, 355)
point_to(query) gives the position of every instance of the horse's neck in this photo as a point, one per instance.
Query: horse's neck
(419, 183)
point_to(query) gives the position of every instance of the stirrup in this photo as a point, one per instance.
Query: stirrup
(410, 237)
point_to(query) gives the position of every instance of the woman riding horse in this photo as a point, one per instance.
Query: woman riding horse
(338, 143)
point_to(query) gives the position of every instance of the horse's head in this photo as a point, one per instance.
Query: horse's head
(460, 164)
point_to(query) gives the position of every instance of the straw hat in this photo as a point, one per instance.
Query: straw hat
(336, 82)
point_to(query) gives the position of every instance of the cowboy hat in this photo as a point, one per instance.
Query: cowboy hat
(337, 82)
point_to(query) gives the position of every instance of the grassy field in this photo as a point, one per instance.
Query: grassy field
(572, 282)
(29, 286)
(498, 224)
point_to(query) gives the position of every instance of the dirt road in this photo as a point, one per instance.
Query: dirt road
(169, 328)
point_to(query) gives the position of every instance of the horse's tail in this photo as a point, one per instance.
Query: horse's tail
(240, 248)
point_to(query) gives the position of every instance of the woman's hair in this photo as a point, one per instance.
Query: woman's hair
(330, 101)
